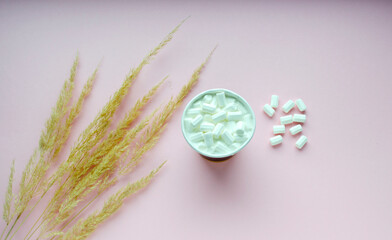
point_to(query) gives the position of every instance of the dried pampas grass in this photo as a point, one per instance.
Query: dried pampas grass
(96, 162)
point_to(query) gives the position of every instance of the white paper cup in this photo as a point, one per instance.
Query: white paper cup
(233, 148)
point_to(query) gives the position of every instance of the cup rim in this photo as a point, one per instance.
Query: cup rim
(235, 95)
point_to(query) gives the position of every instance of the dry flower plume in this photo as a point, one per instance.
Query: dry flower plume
(97, 161)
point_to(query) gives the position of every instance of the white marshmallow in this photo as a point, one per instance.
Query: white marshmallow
(188, 125)
(207, 98)
(230, 100)
(269, 110)
(288, 106)
(194, 111)
(247, 121)
(218, 130)
(231, 125)
(274, 101)
(276, 140)
(219, 116)
(286, 119)
(208, 118)
(301, 118)
(202, 146)
(227, 137)
(221, 99)
(296, 129)
(240, 128)
(196, 137)
(234, 116)
(214, 102)
(196, 121)
(300, 104)
(197, 104)
(208, 139)
(209, 108)
(221, 147)
(277, 129)
(240, 139)
(236, 145)
(206, 126)
(230, 107)
(301, 142)
(242, 109)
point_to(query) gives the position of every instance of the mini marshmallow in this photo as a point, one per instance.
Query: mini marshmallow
(202, 146)
(240, 139)
(188, 125)
(207, 118)
(236, 145)
(286, 119)
(242, 109)
(197, 104)
(234, 116)
(231, 125)
(194, 111)
(207, 98)
(196, 121)
(217, 130)
(276, 140)
(240, 128)
(221, 99)
(219, 116)
(301, 118)
(296, 129)
(213, 102)
(206, 126)
(227, 137)
(300, 104)
(301, 142)
(208, 139)
(196, 137)
(209, 108)
(230, 100)
(269, 110)
(288, 106)
(221, 147)
(274, 101)
(279, 129)
(247, 121)
(230, 107)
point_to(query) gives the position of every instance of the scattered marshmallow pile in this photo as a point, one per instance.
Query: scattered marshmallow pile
(218, 124)
(286, 120)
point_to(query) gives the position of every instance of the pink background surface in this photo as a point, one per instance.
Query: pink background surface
(336, 56)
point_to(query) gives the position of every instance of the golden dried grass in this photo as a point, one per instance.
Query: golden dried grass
(96, 161)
